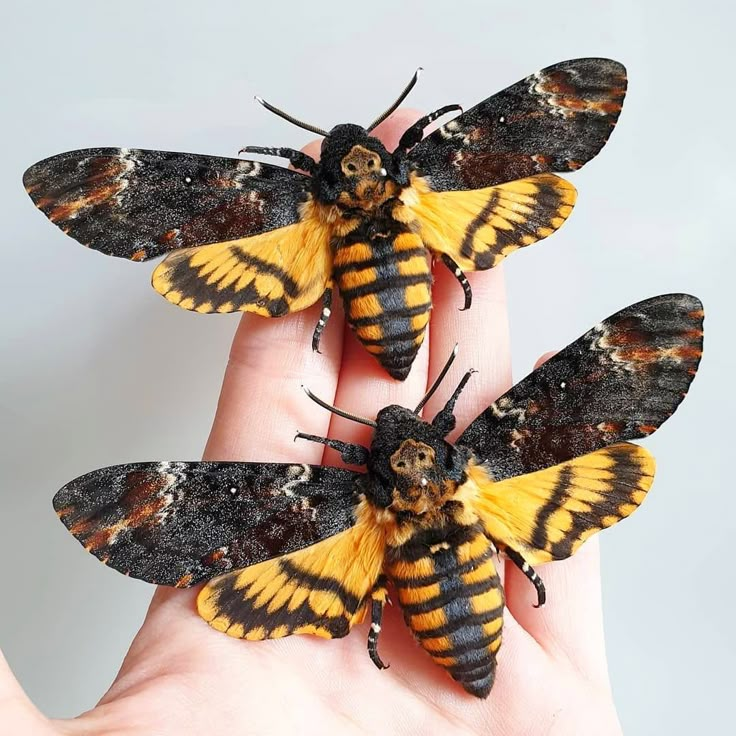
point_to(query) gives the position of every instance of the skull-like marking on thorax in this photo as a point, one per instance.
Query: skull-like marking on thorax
(360, 161)
(367, 185)
(420, 487)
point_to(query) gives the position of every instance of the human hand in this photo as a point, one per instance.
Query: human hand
(180, 677)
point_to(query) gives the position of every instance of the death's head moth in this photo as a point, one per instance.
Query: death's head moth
(242, 235)
(302, 549)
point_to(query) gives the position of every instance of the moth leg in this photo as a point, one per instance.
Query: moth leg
(413, 135)
(297, 159)
(531, 575)
(323, 318)
(445, 420)
(379, 596)
(350, 453)
(457, 272)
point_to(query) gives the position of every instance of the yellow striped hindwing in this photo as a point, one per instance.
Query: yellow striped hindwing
(478, 228)
(548, 514)
(320, 590)
(272, 274)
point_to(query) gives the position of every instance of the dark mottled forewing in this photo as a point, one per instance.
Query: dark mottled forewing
(179, 523)
(555, 120)
(619, 381)
(140, 204)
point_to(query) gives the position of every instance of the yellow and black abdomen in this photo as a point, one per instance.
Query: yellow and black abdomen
(382, 271)
(452, 601)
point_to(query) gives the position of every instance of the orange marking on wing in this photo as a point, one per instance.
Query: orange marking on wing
(96, 196)
(141, 486)
(80, 527)
(146, 510)
(61, 513)
(576, 104)
(686, 352)
(624, 337)
(214, 556)
(99, 539)
(641, 353)
(184, 580)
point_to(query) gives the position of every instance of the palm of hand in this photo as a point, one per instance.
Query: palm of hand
(180, 677)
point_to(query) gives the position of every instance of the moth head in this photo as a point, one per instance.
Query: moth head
(355, 170)
(411, 465)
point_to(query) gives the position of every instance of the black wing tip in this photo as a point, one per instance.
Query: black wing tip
(676, 310)
(80, 153)
(680, 300)
(29, 175)
(65, 500)
(677, 319)
(86, 485)
(60, 501)
(603, 63)
(40, 173)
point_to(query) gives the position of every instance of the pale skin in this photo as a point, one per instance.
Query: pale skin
(181, 677)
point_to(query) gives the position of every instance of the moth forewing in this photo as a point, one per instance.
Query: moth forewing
(243, 235)
(300, 549)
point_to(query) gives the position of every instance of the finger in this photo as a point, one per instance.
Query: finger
(571, 621)
(261, 404)
(364, 386)
(482, 336)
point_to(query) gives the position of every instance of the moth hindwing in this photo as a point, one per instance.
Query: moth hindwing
(301, 549)
(242, 235)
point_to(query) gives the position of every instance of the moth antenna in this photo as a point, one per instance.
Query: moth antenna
(339, 412)
(438, 380)
(409, 87)
(290, 118)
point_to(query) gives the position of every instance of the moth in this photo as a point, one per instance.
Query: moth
(242, 235)
(305, 549)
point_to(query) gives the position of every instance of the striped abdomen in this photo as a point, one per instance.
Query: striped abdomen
(382, 271)
(452, 601)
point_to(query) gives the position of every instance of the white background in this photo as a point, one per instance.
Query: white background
(97, 369)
